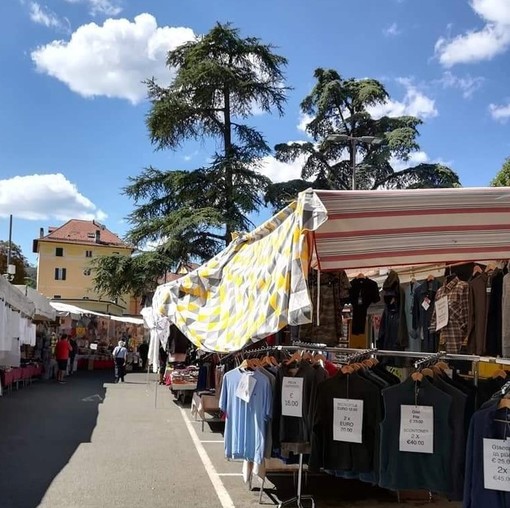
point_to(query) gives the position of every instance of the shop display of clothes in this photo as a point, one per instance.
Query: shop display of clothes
(393, 334)
(485, 313)
(453, 337)
(334, 293)
(363, 293)
(423, 308)
(414, 336)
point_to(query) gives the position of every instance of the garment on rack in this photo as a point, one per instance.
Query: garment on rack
(292, 434)
(459, 436)
(246, 422)
(329, 327)
(363, 293)
(484, 426)
(393, 334)
(414, 471)
(495, 315)
(454, 335)
(414, 336)
(339, 455)
(423, 308)
(505, 301)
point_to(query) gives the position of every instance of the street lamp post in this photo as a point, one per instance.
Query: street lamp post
(353, 140)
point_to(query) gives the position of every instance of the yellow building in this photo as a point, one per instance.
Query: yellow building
(63, 268)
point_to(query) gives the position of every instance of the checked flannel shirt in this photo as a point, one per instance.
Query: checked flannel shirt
(454, 335)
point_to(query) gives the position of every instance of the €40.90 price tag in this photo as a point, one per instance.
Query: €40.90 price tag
(416, 429)
(347, 420)
(496, 464)
(292, 396)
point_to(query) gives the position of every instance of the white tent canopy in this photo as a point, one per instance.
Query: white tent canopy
(43, 310)
(16, 298)
(76, 312)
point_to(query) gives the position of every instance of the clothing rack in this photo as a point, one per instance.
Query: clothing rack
(430, 359)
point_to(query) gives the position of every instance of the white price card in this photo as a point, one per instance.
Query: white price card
(496, 464)
(416, 429)
(441, 313)
(245, 387)
(292, 396)
(426, 304)
(347, 420)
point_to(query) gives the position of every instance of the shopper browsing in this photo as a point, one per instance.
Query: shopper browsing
(120, 357)
(62, 352)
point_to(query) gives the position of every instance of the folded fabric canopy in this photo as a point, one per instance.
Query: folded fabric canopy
(257, 285)
(43, 310)
(66, 308)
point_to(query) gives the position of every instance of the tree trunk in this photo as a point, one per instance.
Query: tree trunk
(229, 177)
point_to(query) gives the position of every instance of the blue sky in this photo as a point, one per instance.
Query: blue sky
(72, 107)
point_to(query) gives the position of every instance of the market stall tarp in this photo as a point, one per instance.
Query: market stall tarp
(76, 312)
(253, 288)
(16, 298)
(412, 227)
(43, 310)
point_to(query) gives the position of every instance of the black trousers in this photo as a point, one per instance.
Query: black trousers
(120, 369)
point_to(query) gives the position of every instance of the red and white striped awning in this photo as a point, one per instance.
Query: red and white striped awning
(368, 229)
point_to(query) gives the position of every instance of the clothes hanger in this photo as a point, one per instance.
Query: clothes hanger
(319, 357)
(430, 277)
(442, 365)
(347, 369)
(427, 372)
(417, 376)
(499, 373)
(504, 403)
(361, 276)
(296, 357)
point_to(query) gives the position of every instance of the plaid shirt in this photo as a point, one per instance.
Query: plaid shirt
(454, 335)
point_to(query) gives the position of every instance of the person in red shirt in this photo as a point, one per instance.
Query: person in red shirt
(62, 351)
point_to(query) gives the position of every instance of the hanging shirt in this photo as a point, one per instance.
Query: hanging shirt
(246, 422)
(454, 335)
(363, 293)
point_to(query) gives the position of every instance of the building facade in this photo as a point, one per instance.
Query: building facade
(64, 264)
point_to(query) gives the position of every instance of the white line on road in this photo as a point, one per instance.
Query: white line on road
(221, 491)
(211, 441)
(230, 474)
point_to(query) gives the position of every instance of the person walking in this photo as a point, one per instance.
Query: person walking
(120, 357)
(143, 350)
(72, 354)
(163, 358)
(62, 352)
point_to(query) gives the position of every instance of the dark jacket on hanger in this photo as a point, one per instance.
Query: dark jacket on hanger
(338, 455)
(457, 422)
(393, 334)
(363, 293)
(408, 470)
(495, 316)
(483, 426)
(425, 293)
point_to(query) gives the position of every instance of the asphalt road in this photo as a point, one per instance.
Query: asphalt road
(93, 444)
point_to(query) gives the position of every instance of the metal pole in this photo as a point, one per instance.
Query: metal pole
(353, 162)
(9, 247)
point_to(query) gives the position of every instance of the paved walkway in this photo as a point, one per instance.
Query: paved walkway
(94, 444)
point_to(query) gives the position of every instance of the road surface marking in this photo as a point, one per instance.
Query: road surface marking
(211, 441)
(93, 398)
(221, 491)
(230, 474)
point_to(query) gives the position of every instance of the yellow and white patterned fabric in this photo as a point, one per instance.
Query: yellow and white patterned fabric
(253, 288)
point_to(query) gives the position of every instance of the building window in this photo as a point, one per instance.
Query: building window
(57, 297)
(115, 252)
(60, 273)
(87, 272)
(59, 252)
(88, 253)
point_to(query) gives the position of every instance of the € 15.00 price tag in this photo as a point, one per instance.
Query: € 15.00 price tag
(347, 420)
(245, 387)
(416, 429)
(292, 396)
(496, 464)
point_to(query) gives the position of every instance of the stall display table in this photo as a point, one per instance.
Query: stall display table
(182, 382)
(20, 375)
(94, 362)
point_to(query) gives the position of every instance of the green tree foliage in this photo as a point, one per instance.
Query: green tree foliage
(502, 179)
(221, 79)
(340, 106)
(118, 275)
(17, 259)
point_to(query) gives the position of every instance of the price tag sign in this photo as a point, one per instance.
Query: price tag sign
(347, 420)
(292, 396)
(245, 387)
(441, 313)
(416, 429)
(496, 464)
(426, 304)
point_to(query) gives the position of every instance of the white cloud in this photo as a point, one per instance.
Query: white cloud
(476, 45)
(500, 113)
(112, 60)
(392, 30)
(43, 16)
(414, 103)
(467, 84)
(281, 171)
(304, 120)
(43, 197)
(106, 7)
